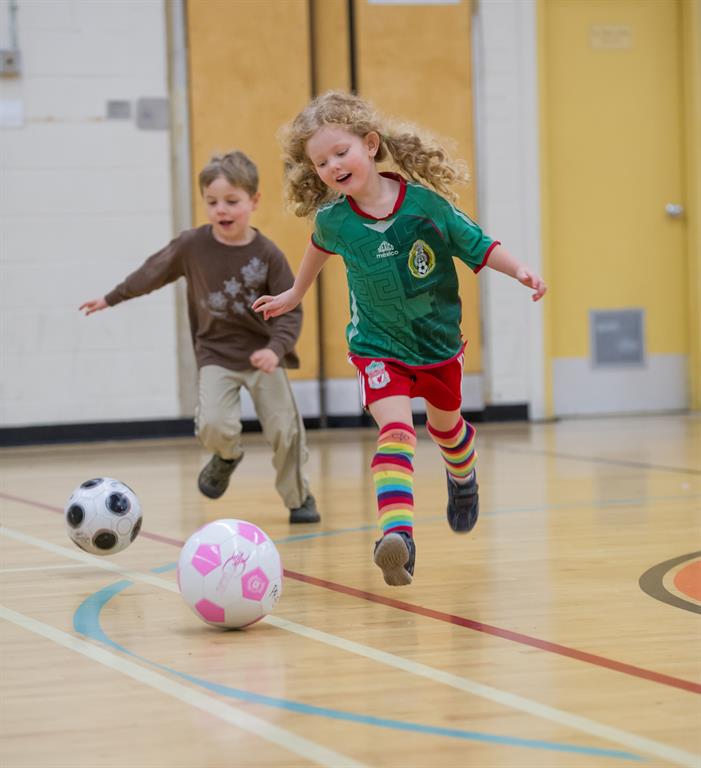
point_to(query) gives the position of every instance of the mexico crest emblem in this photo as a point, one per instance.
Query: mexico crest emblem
(378, 375)
(422, 259)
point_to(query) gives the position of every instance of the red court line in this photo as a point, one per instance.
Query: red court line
(506, 634)
(145, 534)
(477, 626)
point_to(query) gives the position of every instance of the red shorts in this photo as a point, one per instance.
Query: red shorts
(440, 385)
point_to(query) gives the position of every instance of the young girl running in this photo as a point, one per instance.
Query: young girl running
(397, 235)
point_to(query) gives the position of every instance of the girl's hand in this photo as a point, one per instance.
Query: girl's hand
(531, 280)
(265, 360)
(272, 306)
(94, 305)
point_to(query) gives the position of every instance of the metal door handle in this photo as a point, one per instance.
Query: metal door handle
(674, 210)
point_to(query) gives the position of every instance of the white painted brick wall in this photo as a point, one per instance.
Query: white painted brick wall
(83, 201)
(504, 47)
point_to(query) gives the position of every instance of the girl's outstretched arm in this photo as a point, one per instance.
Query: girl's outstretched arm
(312, 262)
(502, 261)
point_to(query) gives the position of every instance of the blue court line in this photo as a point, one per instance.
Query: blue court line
(86, 621)
(603, 504)
(164, 568)
(325, 534)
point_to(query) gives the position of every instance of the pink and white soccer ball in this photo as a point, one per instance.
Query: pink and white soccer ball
(103, 516)
(230, 573)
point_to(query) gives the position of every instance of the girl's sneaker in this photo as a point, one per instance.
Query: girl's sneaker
(463, 504)
(395, 554)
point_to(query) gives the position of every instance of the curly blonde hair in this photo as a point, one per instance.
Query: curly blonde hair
(417, 154)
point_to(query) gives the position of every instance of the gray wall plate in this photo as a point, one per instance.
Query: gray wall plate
(617, 337)
(152, 114)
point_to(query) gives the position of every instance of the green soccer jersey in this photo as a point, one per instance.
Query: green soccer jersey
(402, 282)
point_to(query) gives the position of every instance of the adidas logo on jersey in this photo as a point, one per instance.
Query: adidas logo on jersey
(386, 249)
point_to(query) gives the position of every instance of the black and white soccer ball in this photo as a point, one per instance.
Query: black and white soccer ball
(103, 516)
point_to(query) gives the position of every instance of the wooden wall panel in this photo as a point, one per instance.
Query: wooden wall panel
(414, 62)
(332, 59)
(249, 74)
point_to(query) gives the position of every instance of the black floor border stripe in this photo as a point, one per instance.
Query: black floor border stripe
(153, 429)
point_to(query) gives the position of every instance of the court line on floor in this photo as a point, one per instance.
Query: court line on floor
(543, 508)
(505, 634)
(44, 568)
(505, 698)
(145, 534)
(540, 508)
(630, 463)
(139, 576)
(649, 746)
(477, 626)
(86, 621)
(652, 582)
(283, 738)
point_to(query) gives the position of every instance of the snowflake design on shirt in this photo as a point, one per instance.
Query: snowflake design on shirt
(216, 304)
(254, 273)
(217, 300)
(232, 286)
(236, 296)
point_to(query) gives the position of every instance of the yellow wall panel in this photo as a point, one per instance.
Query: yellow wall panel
(249, 74)
(615, 157)
(331, 45)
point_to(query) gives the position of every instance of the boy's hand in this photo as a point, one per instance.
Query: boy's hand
(94, 305)
(531, 280)
(265, 360)
(272, 306)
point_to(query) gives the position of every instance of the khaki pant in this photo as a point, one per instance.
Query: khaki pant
(218, 422)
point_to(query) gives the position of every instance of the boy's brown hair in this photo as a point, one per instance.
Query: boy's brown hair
(235, 167)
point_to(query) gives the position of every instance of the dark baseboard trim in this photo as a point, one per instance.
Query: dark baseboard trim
(91, 433)
(511, 412)
(150, 430)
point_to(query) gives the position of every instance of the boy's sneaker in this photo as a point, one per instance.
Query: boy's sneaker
(214, 477)
(463, 504)
(395, 554)
(307, 513)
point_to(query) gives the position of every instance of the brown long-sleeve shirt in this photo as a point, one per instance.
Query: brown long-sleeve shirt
(222, 283)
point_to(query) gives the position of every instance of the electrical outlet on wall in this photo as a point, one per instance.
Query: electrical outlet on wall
(10, 60)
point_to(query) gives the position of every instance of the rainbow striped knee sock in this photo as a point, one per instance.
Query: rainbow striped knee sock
(393, 473)
(458, 448)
